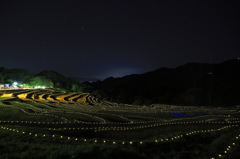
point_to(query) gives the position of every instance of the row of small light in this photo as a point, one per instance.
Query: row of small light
(229, 147)
(111, 128)
(137, 127)
(97, 129)
(114, 142)
(104, 122)
(97, 123)
(237, 120)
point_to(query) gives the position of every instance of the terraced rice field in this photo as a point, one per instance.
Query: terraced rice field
(102, 129)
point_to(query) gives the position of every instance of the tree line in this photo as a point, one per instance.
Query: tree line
(47, 79)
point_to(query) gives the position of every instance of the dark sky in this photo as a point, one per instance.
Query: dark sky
(99, 38)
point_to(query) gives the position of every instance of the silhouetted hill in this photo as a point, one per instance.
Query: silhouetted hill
(84, 79)
(58, 79)
(189, 84)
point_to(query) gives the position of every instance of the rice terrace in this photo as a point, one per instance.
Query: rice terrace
(40, 123)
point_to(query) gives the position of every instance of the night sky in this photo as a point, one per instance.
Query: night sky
(99, 38)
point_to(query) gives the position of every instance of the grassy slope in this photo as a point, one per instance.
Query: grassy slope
(41, 117)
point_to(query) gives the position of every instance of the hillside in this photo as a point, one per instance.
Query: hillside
(47, 123)
(189, 84)
(58, 79)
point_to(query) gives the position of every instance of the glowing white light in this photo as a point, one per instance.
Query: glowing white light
(15, 83)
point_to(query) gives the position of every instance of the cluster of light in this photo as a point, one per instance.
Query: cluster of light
(40, 87)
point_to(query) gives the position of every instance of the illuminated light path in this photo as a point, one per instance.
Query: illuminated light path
(81, 112)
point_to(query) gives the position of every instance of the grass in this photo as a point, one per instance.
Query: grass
(194, 146)
(114, 124)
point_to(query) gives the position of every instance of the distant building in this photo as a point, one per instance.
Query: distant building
(4, 85)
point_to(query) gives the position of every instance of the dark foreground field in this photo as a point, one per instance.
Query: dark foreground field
(49, 124)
